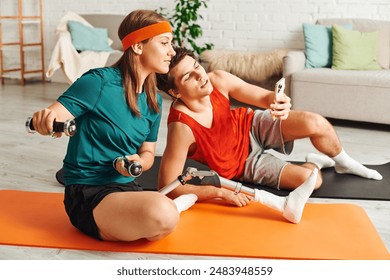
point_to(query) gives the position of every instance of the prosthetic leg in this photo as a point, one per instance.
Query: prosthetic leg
(290, 206)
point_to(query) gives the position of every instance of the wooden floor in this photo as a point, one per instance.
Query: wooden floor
(29, 162)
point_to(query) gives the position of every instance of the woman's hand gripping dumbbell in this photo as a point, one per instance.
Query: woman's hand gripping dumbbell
(132, 167)
(68, 127)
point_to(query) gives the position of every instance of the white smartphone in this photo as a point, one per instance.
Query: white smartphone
(279, 91)
(279, 88)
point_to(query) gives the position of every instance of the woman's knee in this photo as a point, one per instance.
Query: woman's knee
(147, 217)
(163, 215)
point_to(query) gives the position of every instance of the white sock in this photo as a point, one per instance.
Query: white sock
(347, 165)
(185, 201)
(269, 199)
(292, 205)
(297, 199)
(321, 161)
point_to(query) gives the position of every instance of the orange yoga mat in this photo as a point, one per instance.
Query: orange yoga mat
(326, 231)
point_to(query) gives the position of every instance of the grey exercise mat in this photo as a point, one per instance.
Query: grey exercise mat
(342, 186)
(354, 187)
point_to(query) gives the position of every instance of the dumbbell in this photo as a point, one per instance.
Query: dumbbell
(68, 127)
(134, 168)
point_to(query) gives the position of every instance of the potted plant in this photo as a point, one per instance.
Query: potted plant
(185, 27)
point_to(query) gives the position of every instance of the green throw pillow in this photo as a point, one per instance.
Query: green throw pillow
(318, 44)
(85, 38)
(354, 50)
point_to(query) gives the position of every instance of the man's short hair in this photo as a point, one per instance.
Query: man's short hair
(165, 82)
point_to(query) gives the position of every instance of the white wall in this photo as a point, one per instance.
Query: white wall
(231, 24)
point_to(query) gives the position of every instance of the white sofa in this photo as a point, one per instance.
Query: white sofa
(358, 95)
(109, 21)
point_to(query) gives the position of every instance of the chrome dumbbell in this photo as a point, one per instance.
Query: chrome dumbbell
(134, 168)
(68, 127)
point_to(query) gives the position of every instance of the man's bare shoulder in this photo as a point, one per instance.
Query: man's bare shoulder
(224, 81)
(217, 75)
(223, 77)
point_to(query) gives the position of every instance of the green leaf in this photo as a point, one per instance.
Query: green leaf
(184, 22)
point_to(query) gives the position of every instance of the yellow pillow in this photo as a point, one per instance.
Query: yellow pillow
(354, 50)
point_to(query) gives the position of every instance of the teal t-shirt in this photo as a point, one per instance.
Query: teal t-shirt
(106, 127)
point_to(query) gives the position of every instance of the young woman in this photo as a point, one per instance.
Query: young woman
(117, 112)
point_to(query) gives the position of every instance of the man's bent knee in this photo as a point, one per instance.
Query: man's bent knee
(316, 123)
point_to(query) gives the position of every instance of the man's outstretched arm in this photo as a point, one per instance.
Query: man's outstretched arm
(179, 140)
(232, 86)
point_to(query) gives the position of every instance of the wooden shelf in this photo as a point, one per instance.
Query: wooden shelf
(21, 21)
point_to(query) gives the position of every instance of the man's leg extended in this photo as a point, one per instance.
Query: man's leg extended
(324, 138)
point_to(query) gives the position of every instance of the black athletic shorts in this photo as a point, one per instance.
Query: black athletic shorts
(80, 200)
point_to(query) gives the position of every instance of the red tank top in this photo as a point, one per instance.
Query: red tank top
(225, 146)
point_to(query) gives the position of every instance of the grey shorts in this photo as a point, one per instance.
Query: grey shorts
(261, 167)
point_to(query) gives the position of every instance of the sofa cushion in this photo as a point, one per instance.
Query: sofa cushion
(321, 76)
(354, 50)
(318, 44)
(85, 38)
(369, 25)
(109, 21)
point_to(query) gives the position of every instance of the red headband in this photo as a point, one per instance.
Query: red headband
(145, 33)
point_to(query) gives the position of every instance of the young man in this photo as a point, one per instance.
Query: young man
(233, 142)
